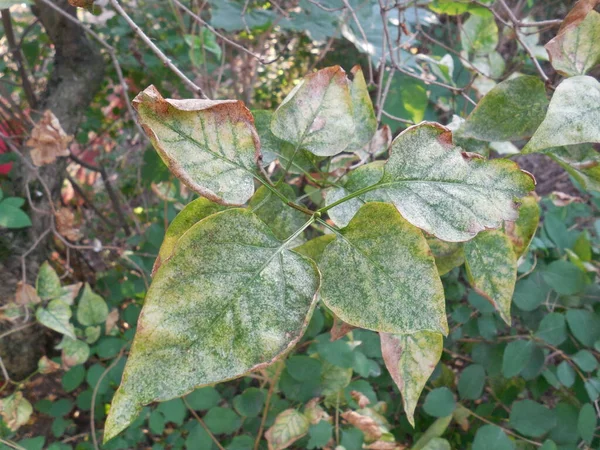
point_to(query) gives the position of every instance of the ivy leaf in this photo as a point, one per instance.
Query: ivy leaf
(15, 410)
(448, 255)
(210, 145)
(47, 283)
(360, 178)
(512, 110)
(522, 231)
(92, 309)
(317, 115)
(574, 50)
(56, 316)
(193, 213)
(281, 218)
(446, 192)
(365, 122)
(410, 360)
(231, 296)
(491, 266)
(573, 116)
(289, 426)
(379, 274)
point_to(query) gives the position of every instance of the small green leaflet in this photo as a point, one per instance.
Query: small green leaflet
(410, 360)
(479, 35)
(92, 309)
(56, 316)
(231, 296)
(47, 283)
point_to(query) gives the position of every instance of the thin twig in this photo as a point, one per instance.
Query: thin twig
(274, 381)
(201, 422)
(17, 329)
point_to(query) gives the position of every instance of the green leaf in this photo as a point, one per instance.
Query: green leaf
(574, 51)
(317, 115)
(516, 356)
(445, 192)
(553, 329)
(250, 402)
(512, 110)
(315, 247)
(379, 274)
(565, 374)
(365, 122)
(479, 35)
(437, 444)
(73, 378)
(92, 334)
(448, 255)
(491, 437)
(573, 116)
(203, 398)
(13, 217)
(303, 368)
(193, 213)
(222, 420)
(491, 266)
(548, 445)
(174, 411)
(582, 162)
(586, 423)
(360, 178)
(228, 277)
(56, 316)
(565, 277)
(585, 360)
(528, 295)
(74, 351)
(210, 145)
(15, 410)
(289, 426)
(410, 360)
(407, 98)
(320, 435)
(522, 231)
(439, 402)
(436, 429)
(531, 419)
(334, 378)
(47, 283)
(471, 382)
(241, 443)
(282, 219)
(92, 309)
(455, 7)
(585, 326)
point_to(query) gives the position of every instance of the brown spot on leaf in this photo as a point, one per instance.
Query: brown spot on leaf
(48, 140)
(340, 329)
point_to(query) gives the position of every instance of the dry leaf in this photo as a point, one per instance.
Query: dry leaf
(366, 424)
(360, 398)
(111, 320)
(581, 9)
(48, 140)
(384, 445)
(65, 224)
(87, 4)
(562, 199)
(26, 295)
(315, 413)
(340, 329)
(15, 410)
(46, 365)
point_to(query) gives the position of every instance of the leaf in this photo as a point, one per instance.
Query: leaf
(553, 329)
(317, 115)
(56, 316)
(585, 360)
(491, 266)
(379, 274)
(47, 283)
(471, 382)
(491, 437)
(193, 213)
(320, 435)
(315, 247)
(573, 116)
(586, 423)
(448, 255)
(585, 326)
(407, 98)
(65, 224)
(289, 426)
(360, 178)
(531, 419)
(410, 360)
(231, 296)
(366, 424)
(340, 328)
(74, 352)
(565, 277)
(26, 295)
(439, 402)
(574, 51)
(210, 145)
(48, 140)
(13, 217)
(365, 122)
(516, 356)
(222, 420)
(250, 402)
(436, 429)
(46, 365)
(92, 309)
(582, 162)
(282, 219)
(548, 445)
(522, 231)
(445, 192)
(512, 110)
(15, 410)
(479, 35)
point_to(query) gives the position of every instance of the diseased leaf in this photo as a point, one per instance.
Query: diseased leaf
(581, 161)
(315, 247)
(574, 50)
(65, 224)
(289, 426)
(26, 295)
(370, 428)
(193, 213)
(317, 115)
(231, 296)
(379, 274)
(56, 316)
(378, 145)
(491, 266)
(448, 255)
(410, 360)
(15, 410)
(282, 219)
(573, 116)
(522, 231)
(210, 145)
(365, 122)
(48, 140)
(479, 35)
(446, 192)
(360, 178)
(47, 283)
(74, 352)
(512, 110)
(92, 309)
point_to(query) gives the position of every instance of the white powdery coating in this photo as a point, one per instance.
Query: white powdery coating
(410, 360)
(448, 194)
(229, 299)
(379, 274)
(573, 116)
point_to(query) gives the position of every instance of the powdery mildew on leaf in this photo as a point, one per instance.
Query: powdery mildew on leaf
(365, 122)
(56, 316)
(581, 161)
(317, 115)
(522, 231)
(210, 145)
(289, 426)
(231, 299)
(362, 177)
(512, 110)
(282, 219)
(448, 255)
(410, 360)
(491, 265)
(379, 274)
(47, 282)
(573, 116)
(446, 192)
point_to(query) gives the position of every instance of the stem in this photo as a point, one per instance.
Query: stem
(283, 198)
(348, 197)
(267, 403)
